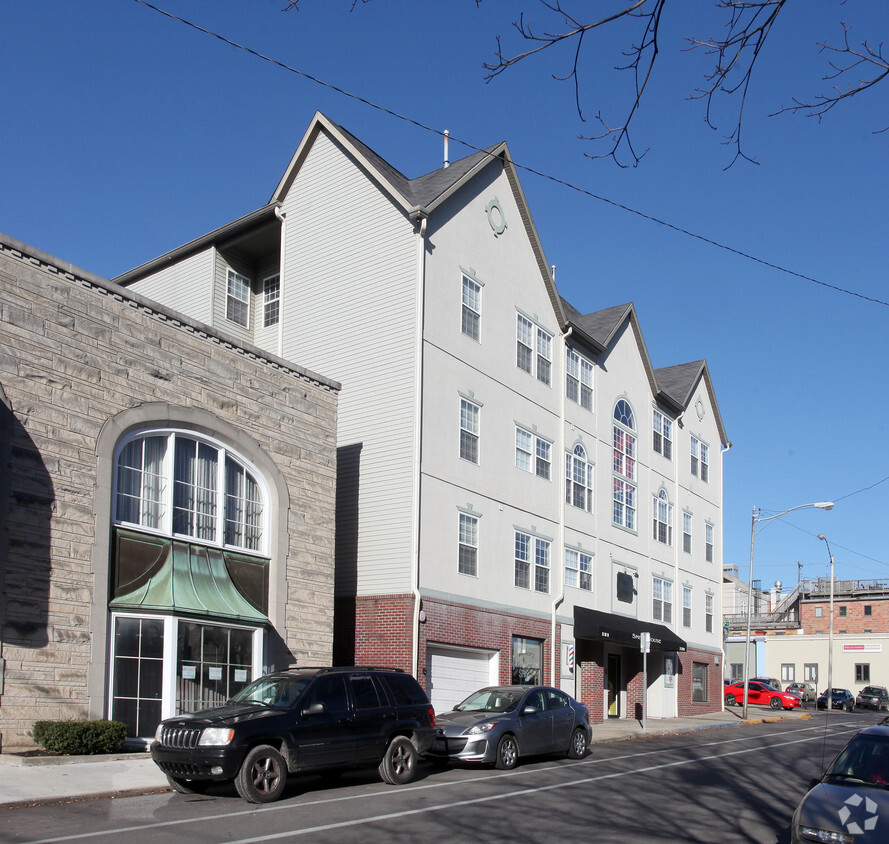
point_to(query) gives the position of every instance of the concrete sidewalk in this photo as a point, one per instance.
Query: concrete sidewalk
(38, 780)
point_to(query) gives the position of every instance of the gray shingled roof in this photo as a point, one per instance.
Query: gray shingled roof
(679, 381)
(424, 190)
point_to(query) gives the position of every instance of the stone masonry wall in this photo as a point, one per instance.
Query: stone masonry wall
(75, 351)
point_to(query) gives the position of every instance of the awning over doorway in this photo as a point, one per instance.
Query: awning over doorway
(607, 627)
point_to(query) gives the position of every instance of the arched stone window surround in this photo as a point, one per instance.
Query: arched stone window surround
(165, 415)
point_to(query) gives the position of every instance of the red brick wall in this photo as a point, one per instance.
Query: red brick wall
(377, 630)
(591, 675)
(687, 706)
(449, 623)
(855, 621)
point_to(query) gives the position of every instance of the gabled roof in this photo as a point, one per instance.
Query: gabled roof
(421, 196)
(672, 385)
(679, 382)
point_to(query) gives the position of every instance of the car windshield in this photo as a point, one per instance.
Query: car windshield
(490, 700)
(864, 758)
(280, 692)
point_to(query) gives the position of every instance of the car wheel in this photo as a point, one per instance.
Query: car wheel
(188, 786)
(507, 753)
(262, 775)
(776, 703)
(399, 763)
(729, 700)
(577, 748)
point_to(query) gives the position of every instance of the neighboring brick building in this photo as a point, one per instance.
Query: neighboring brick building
(790, 631)
(166, 504)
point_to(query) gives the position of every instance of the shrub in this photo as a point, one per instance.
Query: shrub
(80, 738)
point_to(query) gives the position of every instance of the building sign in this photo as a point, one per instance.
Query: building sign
(872, 648)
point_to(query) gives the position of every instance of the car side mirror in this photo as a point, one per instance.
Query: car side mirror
(314, 709)
(530, 710)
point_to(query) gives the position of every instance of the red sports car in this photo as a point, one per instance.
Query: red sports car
(759, 693)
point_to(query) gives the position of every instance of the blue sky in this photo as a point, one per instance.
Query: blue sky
(127, 134)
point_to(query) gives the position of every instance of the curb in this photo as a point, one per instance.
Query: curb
(84, 798)
(13, 760)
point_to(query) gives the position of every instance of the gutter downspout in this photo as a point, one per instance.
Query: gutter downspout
(561, 565)
(420, 218)
(721, 610)
(281, 216)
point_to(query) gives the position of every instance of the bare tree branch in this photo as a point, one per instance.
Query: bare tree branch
(748, 28)
(867, 57)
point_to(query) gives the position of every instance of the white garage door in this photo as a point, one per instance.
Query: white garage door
(451, 674)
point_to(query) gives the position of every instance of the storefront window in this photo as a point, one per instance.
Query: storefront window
(527, 659)
(699, 681)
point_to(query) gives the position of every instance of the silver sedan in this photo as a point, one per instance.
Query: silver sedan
(497, 724)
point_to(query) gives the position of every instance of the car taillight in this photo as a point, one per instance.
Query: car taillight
(431, 713)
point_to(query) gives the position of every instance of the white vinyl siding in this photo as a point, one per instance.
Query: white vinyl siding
(370, 287)
(186, 287)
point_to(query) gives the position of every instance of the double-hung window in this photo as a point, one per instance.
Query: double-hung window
(662, 600)
(532, 554)
(708, 613)
(700, 459)
(472, 308)
(533, 454)
(469, 430)
(624, 467)
(663, 518)
(686, 606)
(578, 569)
(663, 435)
(686, 532)
(534, 349)
(579, 479)
(468, 545)
(708, 543)
(579, 379)
(271, 300)
(237, 300)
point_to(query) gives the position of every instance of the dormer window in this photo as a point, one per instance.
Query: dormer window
(237, 299)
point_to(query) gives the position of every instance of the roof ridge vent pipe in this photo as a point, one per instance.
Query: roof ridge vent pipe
(447, 136)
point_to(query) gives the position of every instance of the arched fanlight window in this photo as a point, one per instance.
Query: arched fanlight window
(578, 479)
(623, 510)
(177, 483)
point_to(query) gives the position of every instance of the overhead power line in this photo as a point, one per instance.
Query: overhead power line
(679, 229)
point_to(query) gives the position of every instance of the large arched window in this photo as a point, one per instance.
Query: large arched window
(189, 578)
(175, 483)
(623, 511)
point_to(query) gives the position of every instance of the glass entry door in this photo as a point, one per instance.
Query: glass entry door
(612, 685)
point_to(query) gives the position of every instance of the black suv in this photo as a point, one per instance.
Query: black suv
(295, 721)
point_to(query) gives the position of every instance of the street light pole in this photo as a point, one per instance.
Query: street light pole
(819, 505)
(829, 631)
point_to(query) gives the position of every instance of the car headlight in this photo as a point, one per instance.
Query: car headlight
(482, 728)
(157, 733)
(826, 836)
(215, 736)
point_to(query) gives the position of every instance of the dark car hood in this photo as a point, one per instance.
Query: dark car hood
(859, 810)
(230, 713)
(464, 720)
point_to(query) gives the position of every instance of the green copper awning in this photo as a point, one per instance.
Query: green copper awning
(163, 575)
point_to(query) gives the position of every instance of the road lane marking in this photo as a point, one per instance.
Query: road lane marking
(434, 785)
